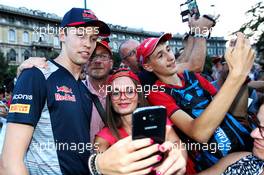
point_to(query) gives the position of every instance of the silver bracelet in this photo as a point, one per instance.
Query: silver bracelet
(96, 164)
(92, 164)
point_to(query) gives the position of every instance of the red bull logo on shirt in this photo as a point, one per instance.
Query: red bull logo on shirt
(64, 89)
(64, 94)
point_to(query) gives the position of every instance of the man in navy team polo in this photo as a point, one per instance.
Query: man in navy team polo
(50, 112)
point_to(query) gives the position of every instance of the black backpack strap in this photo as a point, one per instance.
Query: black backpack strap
(190, 78)
(99, 107)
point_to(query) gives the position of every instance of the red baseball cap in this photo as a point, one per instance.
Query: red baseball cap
(147, 47)
(105, 44)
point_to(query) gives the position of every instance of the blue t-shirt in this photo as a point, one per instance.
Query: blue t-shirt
(59, 108)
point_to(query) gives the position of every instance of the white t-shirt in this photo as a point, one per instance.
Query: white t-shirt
(2, 132)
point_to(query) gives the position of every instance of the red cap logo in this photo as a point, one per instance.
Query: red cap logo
(89, 14)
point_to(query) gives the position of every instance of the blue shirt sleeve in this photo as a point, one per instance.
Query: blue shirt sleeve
(29, 98)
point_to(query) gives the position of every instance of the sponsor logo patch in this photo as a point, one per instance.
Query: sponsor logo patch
(19, 108)
(22, 97)
(65, 97)
(64, 94)
(64, 89)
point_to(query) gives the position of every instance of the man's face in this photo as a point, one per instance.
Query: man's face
(162, 61)
(79, 44)
(8, 96)
(129, 55)
(100, 64)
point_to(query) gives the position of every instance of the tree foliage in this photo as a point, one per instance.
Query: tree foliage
(7, 72)
(3, 68)
(255, 26)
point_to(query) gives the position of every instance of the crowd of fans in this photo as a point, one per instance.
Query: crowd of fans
(66, 101)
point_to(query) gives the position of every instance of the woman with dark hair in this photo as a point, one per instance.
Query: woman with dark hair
(123, 99)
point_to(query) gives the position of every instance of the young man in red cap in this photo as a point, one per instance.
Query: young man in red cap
(188, 97)
(192, 57)
(48, 129)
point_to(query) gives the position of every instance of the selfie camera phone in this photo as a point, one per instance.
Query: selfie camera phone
(149, 122)
(190, 7)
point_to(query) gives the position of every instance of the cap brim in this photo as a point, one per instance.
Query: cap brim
(165, 37)
(104, 30)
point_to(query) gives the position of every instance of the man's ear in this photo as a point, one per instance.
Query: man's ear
(148, 67)
(111, 64)
(62, 34)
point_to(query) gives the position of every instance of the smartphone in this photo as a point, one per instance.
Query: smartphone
(190, 7)
(149, 122)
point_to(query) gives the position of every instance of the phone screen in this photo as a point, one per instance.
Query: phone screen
(193, 9)
(190, 7)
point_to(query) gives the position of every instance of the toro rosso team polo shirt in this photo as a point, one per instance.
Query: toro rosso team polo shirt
(59, 108)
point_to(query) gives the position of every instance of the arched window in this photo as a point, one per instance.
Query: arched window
(42, 38)
(25, 37)
(26, 54)
(11, 35)
(11, 55)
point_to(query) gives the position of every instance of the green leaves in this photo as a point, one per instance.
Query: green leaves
(255, 26)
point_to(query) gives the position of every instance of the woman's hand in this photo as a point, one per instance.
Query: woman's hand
(176, 160)
(129, 157)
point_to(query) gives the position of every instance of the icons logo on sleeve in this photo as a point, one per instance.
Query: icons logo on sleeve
(19, 108)
(22, 97)
(64, 94)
